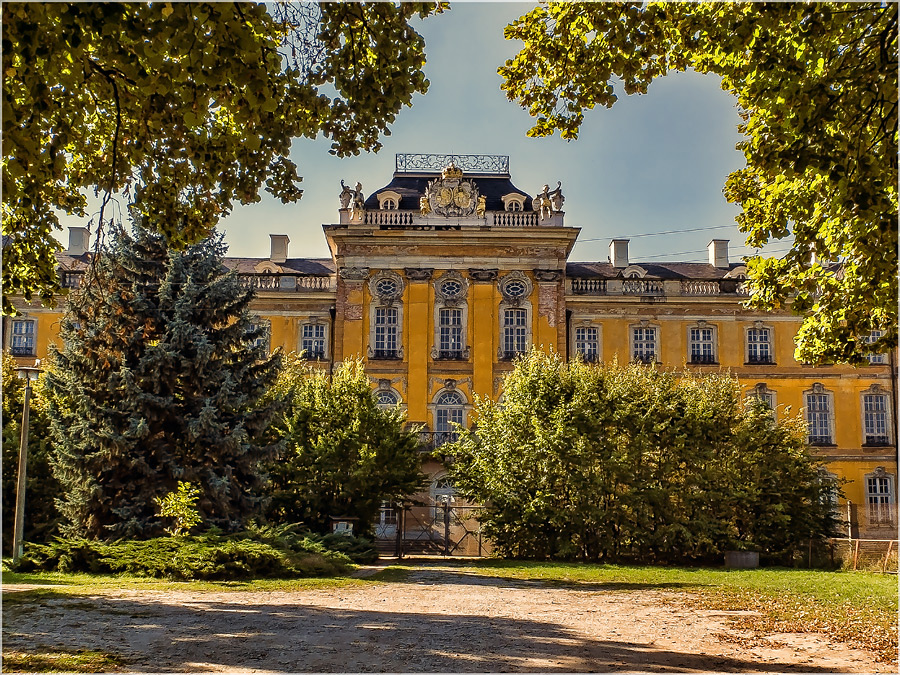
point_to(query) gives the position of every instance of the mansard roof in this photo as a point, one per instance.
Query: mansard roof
(412, 186)
(311, 266)
(669, 270)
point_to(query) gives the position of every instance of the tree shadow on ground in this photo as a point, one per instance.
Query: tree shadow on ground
(156, 634)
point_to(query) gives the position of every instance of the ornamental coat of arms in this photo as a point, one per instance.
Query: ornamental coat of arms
(450, 195)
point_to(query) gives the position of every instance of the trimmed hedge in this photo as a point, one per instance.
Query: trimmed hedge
(261, 553)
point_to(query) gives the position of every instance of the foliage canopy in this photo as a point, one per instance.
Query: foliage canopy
(184, 109)
(341, 454)
(634, 464)
(816, 84)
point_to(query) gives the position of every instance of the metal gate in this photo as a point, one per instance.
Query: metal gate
(435, 527)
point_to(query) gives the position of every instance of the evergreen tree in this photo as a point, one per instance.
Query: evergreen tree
(158, 381)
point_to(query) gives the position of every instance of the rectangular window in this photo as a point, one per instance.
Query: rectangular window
(515, 332)
(875, 419)
(587, 343)
(759, 345)
(313, 341)
(386, 332)
(818, 418)
(880, 500)
(702, 346)
(644, 344)
(450, 326)
(262, 340)
(22, 343)
(869, 339)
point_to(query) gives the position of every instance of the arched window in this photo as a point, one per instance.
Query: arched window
(386, 398)
(448, 413)
(443, 496)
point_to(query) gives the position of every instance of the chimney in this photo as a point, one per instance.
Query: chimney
(279, 247)
(618, 252)
(718, 253)
(79, 241)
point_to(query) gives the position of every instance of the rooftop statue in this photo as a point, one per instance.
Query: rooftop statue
(547, 203)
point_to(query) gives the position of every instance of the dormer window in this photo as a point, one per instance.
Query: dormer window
(513, 202)
(388, 200)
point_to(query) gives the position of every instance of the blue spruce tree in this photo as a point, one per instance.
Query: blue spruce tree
(158, 380)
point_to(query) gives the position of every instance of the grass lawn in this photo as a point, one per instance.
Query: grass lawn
(79, 584)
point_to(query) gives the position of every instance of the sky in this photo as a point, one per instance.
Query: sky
(651, 164)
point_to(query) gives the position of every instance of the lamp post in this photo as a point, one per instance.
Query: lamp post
(29, 374)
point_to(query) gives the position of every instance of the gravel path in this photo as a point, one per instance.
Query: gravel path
(440, 619)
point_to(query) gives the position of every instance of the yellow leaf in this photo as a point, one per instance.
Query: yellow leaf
(167, 10)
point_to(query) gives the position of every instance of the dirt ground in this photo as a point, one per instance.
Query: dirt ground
(437, 620)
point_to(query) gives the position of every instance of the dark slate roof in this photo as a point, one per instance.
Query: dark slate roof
(76, 262)
(310, 266)
(411, 187)
(671, 270)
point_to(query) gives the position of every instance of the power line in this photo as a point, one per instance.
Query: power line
(656, 234)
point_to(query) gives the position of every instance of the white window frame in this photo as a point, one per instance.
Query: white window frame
(266, 338)
(633, 342)
(515, 337)
(22, 343)
(880, 499)
(443, 302)
(590, 353)
(312, 354)
(445, 414)
(824, 419)
(705, 337)
(875, 417)
(766, 395)
(877, 358)
(758, 346)
(386, 333)
(385, 343)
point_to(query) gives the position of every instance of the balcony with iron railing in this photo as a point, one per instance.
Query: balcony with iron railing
(22, 350)
(431, 440)
(703, 359)
(760, 359)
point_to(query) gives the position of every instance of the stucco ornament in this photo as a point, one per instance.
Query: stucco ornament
(357, 204)
(547, 203)
(346, 195)
(451, 195)
(481, 206)
(424, 206)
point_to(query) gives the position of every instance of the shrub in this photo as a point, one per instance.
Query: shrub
(636, 464)
(211, 556)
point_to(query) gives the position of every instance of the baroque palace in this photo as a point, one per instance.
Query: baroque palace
(440, 278)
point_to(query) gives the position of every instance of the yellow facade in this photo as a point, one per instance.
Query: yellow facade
(437, 303)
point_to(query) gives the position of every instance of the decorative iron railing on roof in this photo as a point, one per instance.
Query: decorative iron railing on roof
(429, 163)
